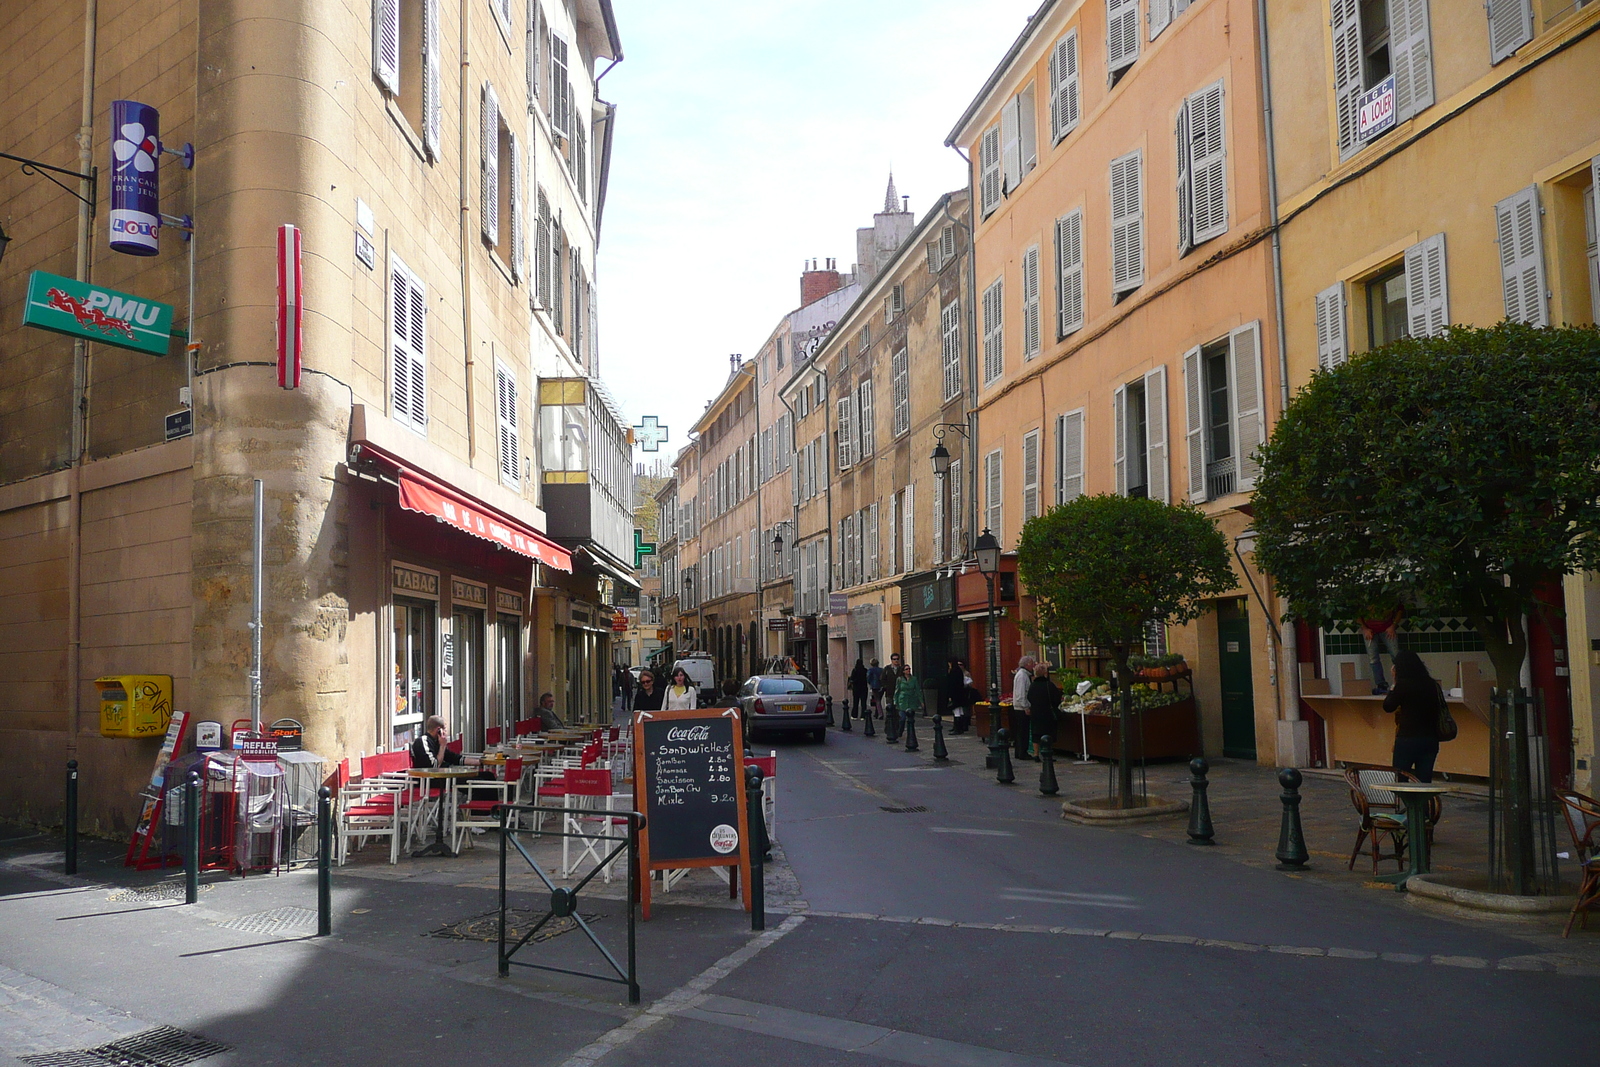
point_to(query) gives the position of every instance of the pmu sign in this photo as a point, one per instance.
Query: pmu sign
(105, 316)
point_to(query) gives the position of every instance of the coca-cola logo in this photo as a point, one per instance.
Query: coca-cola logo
(689, 733)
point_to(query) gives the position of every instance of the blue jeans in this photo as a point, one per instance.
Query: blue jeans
(1375, 645)
(1416, 754)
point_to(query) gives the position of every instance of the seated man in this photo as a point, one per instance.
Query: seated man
(429, 750)
(547, 711)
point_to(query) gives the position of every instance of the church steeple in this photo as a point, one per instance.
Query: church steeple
(891, 198)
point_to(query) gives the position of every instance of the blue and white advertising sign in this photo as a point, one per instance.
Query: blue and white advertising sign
(1377, 110)
(135, 178)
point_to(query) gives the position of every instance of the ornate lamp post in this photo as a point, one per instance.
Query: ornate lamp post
(988, 553)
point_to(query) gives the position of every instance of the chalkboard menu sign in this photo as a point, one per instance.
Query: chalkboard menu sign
(689, 778)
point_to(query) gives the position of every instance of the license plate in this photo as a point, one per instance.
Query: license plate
(791, 707)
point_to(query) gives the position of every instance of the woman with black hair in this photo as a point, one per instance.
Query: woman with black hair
(1416, 701)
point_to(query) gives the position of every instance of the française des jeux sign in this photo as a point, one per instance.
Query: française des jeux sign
(95, 313)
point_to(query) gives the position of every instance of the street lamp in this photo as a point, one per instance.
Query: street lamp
(941, 459)
(988, 552)
(777, 536)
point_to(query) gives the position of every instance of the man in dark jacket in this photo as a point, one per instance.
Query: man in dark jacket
(858, 691)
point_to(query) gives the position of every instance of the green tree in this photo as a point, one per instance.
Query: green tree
(1461, 471)
(1102, 568)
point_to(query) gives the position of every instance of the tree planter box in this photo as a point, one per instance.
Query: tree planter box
(1170, 732)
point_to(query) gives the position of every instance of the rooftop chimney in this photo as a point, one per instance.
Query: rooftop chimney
(816, 284)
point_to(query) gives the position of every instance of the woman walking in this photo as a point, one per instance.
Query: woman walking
(681, 695)
(1044, 705)
(858, 691)
(647, 695)
(1416, 701)
(907, 697)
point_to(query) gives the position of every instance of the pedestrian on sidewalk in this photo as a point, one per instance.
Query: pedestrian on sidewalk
(891, 710)
(1416, 701)
(875, 684)
(681, 695)
(955, 691)
(1044, 703)
(858, 691)
(1019, 705)
(907, 694)
(648, 695)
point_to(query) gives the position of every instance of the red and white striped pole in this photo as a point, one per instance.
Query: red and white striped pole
(291, 307)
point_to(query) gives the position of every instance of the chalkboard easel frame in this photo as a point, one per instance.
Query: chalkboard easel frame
(739, 858)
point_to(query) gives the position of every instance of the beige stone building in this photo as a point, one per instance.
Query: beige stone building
(445, 163)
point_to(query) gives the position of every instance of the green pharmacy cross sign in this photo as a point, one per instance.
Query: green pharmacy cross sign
(97, 314)
(641, 548)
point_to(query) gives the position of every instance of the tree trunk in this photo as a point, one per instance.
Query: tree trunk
(1507, 645)
(1119, 655)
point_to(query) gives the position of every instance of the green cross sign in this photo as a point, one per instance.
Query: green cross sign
(641, 548)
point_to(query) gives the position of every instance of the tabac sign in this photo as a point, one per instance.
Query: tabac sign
(94, 313)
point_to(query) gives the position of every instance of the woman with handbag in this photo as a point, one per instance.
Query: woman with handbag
(1419, 708)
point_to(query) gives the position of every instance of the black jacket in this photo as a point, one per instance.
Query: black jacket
(858, 680)
(648, 701)
(425, 753)
(1415, 702)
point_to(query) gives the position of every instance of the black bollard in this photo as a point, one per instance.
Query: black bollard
(844, 718)
(830, 710)
(911, 730)
(70, 819)
(940, 752)
(867, 729)
(758, 846)
(1002, 753)
(1047, 766)
(891, 724)
(1200, 829)
(191, 841)
(324, 861)
(1291, 854)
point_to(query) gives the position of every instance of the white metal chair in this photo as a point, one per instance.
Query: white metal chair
(588, 804)
(477, 798)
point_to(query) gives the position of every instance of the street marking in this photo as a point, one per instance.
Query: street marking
(966, 830)
(1084, 900)
(913, 770)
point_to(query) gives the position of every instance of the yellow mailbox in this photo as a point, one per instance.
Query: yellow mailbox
(135, 705)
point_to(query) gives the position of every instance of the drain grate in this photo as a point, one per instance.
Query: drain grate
(906, 811)
(274, 921)
(165, 1046)
(486, 927)
(146, 893)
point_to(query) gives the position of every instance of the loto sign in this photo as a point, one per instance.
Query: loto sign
(95, 313)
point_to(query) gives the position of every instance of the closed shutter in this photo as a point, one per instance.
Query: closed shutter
(868, 432)
(1030, 475)
(1412, 49)
(1332, 347)
(489, 159)
(1347, 80)
(1510, 26)
(1591, 207)
(1155, 433)
(532, 56)
(1119, 439)
(580, 159)
(1064, 86)
(994, 363)
(844, 433)
(1208, 176)
(1194, 408)
(900, 369)
(408, 343)
(1246, 390)
(993, 511)
(872, 543)
(938, 523)
(558, 86)
(1010, 147)
(505, 391)
(908, 552)
(1185, 191)
(1127, 223)
(1160, 17)
(541, 253)
(432, 78)
(1069, 456)
(1030, 303)
(1427, 303)
(989, 171)
(958, 512)
(794, 484)
(1122, 34)
(1069, 259)
(950, 348)
(386, 43)
(1517, 225)
(558, 282)
(519, 240)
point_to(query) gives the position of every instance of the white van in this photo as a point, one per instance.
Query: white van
(702, 674)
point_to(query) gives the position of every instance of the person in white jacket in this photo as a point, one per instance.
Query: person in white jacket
(681, 694)
(1020, 706)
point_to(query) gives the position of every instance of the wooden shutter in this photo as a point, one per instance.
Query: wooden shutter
(1119, 439)
(1030, 303)
(519, 241)
(989, 171)
(1517, 225)
(1069, 456)
(1347, 78)
(1030, 475)
(1064, 86)
(869, 418)
(1027, 130)
(1158, 481)
(1122, 34)
(958, 514)
(408, 333)
(938, 523)
(533, 48)
(950, 347)
(1069, 263)
(386, 43)
(1427, 303)
(432, 78)
(1194, 406)
(1246, 389)
(1010, 147)
(541, 252)
(994, 363)
(1160, 17)
(489, 153)
(580, 159)
(947, 244)
(994, 511)
(872, 542)
(844, 433)
(900, 370)
(505, 390)
(558, 86)
(1185, 190)
(1208, 174)
(908, 516)
(1127, 223)
(1411, 50)
(1510, 26)
(1332, 347)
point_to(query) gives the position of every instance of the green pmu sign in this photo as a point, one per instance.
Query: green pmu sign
(106, 316)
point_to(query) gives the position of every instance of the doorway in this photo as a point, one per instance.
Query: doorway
(415, 622)
(466, 669)
(508, 672)
(1233, 670)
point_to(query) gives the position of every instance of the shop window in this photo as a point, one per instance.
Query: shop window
(464, 668)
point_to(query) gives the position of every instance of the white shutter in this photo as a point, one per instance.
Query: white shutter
(505, 390)
(950, 347)
(386, 43)
(1030, 475)
(989, 170)
(1347, 78)
(1064, 86)
(1510, 26)
(1030, 303)
(1069, 456)
(1027, 130)
(844, 433)
(900, 387)
(1127, 223)
(519, 240)
(1069, 260)
(432, 78)
(1412, 51)
(938, 523)
(958, 514)
(1194, 405)
(994, 363)
(1208, 174)
(908, 516)
(1010, 146)
(532, 55)
(408, 333)
(1119, 439)
(558, 85)
(1246, 389)
(868, 425)
(1160, 17)
(993, 512)
(872, 543)
(489, 151)
(1427, 303)
(1591, 206)
(1185, 192)
(1155, 435)
(1517, 224)
(1332, 347)
(1122, 33)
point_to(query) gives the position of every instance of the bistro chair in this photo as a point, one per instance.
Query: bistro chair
(769, 790)
(368, 807)
(524, 727)
(491, 736)
(1382, 812)
(479, 797)
(588, 811)
(1583, 822)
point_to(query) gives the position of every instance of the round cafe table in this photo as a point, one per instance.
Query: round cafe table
(1415, 796)
(447, 778)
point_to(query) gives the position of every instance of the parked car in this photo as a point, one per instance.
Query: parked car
(783, 703)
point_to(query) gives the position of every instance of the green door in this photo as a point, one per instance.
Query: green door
(1238, 703)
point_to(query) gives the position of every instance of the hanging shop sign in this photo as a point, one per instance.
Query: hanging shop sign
(291, 310)
(135, 178)
(95, 313)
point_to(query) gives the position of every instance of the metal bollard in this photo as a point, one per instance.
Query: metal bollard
(1002, 756)
(940, 752)
(1047, 766)
(830, 710)
(911, 730)
(844, 719)
(191, 842)
(1200, 829)
(757, 846)
(70, 820)
(866, 722)
(891, 724)
(324, 861)
(1291, 854)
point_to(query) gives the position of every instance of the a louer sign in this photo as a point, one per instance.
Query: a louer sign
(79, 309)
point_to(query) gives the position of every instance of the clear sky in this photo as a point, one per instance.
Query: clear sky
(752, 136)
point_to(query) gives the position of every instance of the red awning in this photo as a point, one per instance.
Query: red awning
(463, 513)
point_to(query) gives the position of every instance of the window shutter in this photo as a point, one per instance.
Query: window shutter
(1427, 303)
(1245, 390)
(1510, 26)
(794, 484)
(1069, 456)
(541, 252)
(519, 244)
(532, 56)
(1522, 256)
(1208, 164)
(947, 244)
(1064, 86)
(958, 514)
(950, 348)
(1185, 192)
(409, 345)
(1010, 147)
(1127, 224)
(506, 416)
(1030, 476)
(938, 523)
(900, 367)
(1069, 260)
(1412, 49)
(431, 78)
(872, 543)
(580, 159)
(1030, 303)
(1027, 130)
(1592, 217)
(1194, 403)
(1122, 34)
(558, 85)
(908, 515)
(1155, 435)
(989, 170)
(1347, 61)
(844, 434)
(993, 332)
(1160, 17)
(866, 419)
(1119, 439)
(558, 282)
(386, 43)
(1332, 348)
(993, 513)
(489, 152)
(935, 263)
